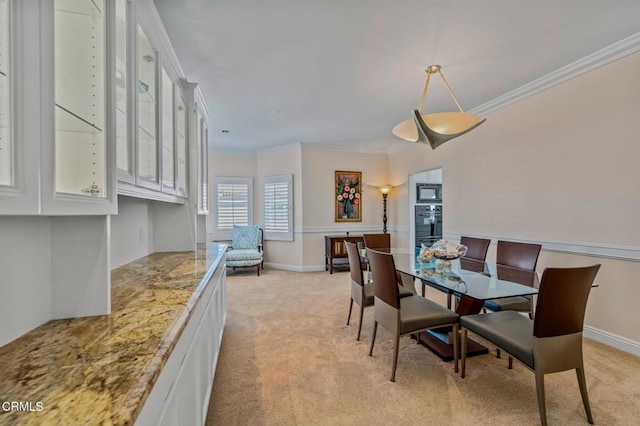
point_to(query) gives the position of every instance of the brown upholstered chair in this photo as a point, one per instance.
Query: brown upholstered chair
(377, 241)
(361, 291)
(516, 255)
(552, 341)
(476, 247)
(401, 316)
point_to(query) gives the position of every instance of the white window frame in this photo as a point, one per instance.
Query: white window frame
(278, 235)
(227, 234)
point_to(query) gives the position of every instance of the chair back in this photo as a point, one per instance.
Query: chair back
(377, 241)
(383, 269)
(518, 255)
(246, 237)
(562, 300)
(355, 265)
(476, 247)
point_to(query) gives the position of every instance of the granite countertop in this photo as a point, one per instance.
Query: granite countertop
(100, 370)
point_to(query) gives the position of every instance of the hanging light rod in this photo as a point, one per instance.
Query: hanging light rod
(437, 128)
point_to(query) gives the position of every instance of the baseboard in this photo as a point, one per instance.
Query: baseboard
(613, 340)
(294, 268)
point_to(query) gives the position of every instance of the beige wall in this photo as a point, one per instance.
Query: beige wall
(281, 253)
(319, 197)
(560, 166)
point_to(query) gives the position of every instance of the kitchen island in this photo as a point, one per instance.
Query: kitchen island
(160, 341)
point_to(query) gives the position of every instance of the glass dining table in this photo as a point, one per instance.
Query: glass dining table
(472, 282)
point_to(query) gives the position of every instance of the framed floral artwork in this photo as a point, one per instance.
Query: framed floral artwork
(348, 196)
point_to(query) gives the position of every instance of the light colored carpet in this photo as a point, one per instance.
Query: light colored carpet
(288, 358)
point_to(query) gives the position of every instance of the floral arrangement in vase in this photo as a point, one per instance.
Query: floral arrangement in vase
(348, 196)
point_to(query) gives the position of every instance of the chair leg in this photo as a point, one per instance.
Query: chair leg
(373, 337)
(583, 391)
(464, 351)
(540, 391)
(360, 323)
(396, 348)
(510, 363)
(456, 348)
(448, 300)
(350, 309)
(498, 353)
(258, 269)
(423, 288)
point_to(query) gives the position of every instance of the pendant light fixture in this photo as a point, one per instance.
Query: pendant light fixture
(437, 128)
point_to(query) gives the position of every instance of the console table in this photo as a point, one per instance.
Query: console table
(334, 249)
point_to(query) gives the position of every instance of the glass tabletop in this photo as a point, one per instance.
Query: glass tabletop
(478, 280)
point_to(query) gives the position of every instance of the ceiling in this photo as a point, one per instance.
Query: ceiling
(342, 73)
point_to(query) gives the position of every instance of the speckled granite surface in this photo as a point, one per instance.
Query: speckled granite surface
(99, 370)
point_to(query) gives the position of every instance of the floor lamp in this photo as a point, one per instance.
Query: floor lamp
(384, 190)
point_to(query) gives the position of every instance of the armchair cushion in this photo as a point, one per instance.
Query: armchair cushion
(242, 255)
(245, 237)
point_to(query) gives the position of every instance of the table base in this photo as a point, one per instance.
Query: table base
(437, 341)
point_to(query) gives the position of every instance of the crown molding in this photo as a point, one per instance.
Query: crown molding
(604, 56)
(342, 148)
(278, 149)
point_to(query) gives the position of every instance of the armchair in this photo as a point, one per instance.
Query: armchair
(246, 248)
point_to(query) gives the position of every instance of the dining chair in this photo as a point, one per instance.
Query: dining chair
(552, 341)
(476, 250)
(516, 255)
(377, 241)
(476, 247)
(407, 315)
(362, 291)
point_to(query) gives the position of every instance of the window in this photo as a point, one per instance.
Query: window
(233, 205)
(278, 207)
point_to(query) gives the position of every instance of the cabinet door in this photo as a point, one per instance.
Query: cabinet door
(203, 169)
(181, 143)
(83, 167)
(168, 135)
(6, 142)
(147, 95)
(125, 153)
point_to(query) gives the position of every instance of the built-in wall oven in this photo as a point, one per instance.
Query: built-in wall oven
(428, 218)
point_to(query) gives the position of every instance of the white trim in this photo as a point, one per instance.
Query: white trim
(230, 152)
(352, 229)
(278, 149)
(342, 148)
(612, 340)
(603, 56)
(404, 229)
(294, 268)
(608, 251)
(131, 190)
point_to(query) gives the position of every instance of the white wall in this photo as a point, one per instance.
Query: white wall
(25, 275)
(131, 231)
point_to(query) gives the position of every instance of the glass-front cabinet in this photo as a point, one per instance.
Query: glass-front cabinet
(80, 137)
(124, 146)
(203, 160)
(6, 142)
(168, 135)
(181, 143)
(83, 156)
(147, 95)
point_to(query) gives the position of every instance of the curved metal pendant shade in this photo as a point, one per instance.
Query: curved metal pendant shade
(454, 123)
(437, 128)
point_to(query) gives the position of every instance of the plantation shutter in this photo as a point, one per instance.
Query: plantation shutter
(233, 205)
(278, 208)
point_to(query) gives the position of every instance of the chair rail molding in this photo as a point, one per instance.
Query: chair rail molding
(608, 251)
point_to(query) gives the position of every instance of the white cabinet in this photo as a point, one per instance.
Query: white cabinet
(6, 142)
(125, 154)
(183, 389)
(55, 116)
(181, 142)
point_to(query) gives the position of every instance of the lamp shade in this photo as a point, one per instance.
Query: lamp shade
(436, 128)
(385, 189)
